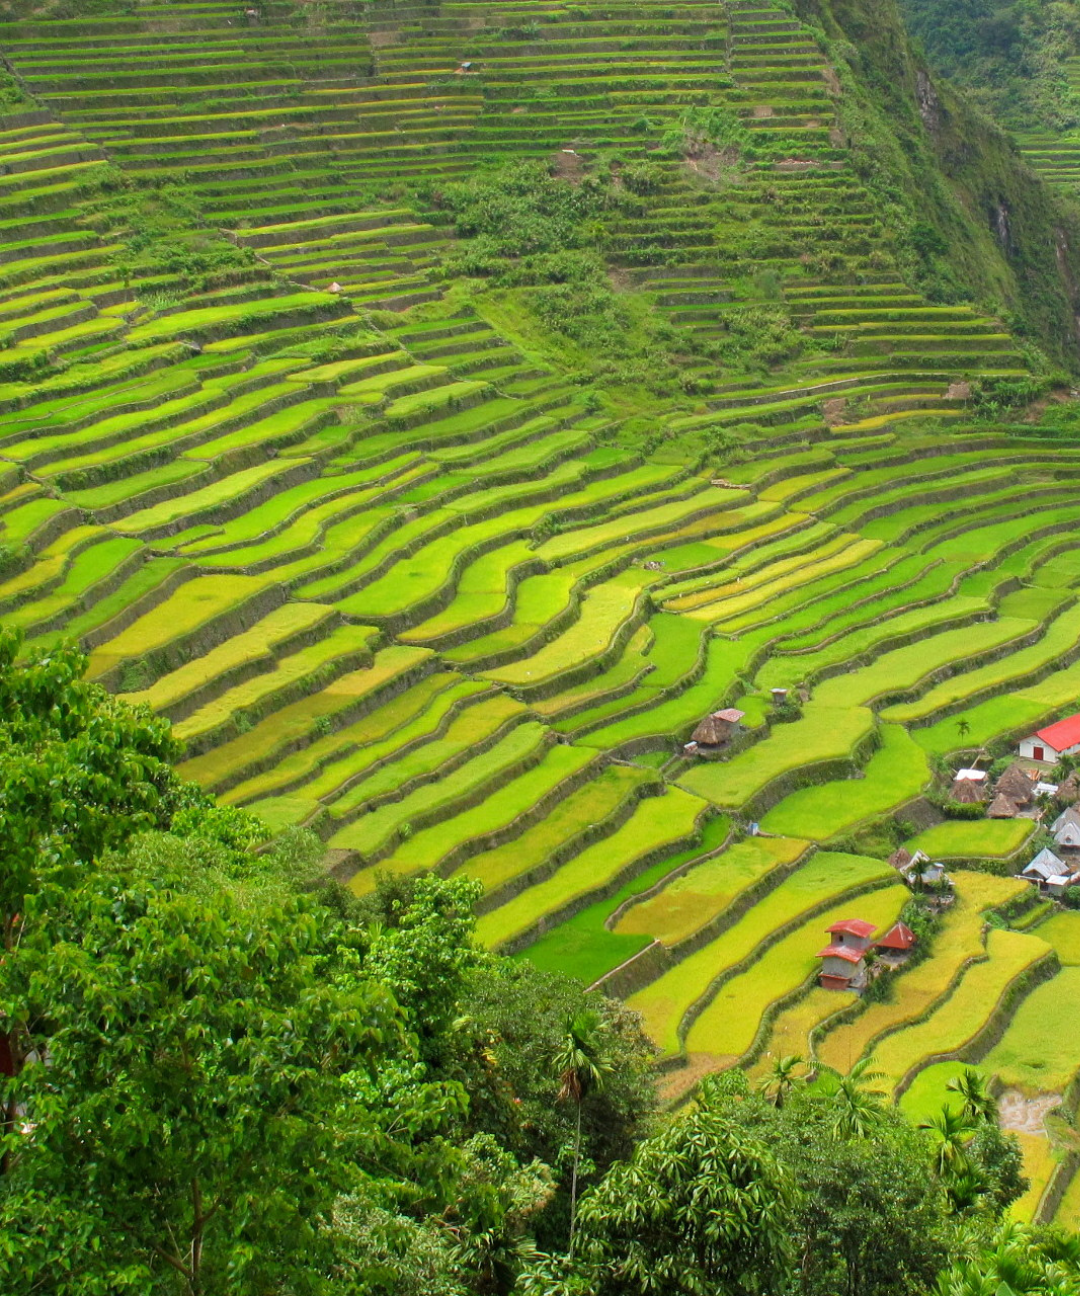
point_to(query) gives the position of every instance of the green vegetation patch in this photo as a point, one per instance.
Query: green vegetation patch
(588, 806)
(895, 773)
(1062, 931)
(973, 838)
(1040, 1050)
(584, 946)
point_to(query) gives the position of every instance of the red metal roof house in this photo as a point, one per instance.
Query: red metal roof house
(843, 967)
(897, 943)
(1060, 739)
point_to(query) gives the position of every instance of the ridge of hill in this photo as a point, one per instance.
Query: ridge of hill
(437, 410)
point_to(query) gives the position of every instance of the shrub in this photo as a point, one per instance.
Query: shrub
(642, 177)
(702, 130)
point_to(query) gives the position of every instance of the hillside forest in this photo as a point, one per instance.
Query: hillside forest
(519, 523)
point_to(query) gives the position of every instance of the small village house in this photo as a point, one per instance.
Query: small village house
(843, 964)
(1016, 784)
(969, 786)
(715, 732)
(903, 860)
(916, 867)
(1002, 808)
(967, 792)
(1043, 867)
(971, 775)
(1053, 742)
(1069, 789)
(1066, 829)
(897, 943)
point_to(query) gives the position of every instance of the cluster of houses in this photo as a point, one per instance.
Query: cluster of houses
(1020, 792)
(844, 959)
(1057, 868)
(1015, 795)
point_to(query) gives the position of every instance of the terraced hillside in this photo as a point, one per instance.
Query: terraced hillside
(411, 570)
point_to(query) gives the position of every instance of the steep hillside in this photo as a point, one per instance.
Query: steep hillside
(1016, 61)
(437, 410)
(762, 157)
(957, 179)
(1021, 65)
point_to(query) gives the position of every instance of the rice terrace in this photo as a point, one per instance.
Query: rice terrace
(625, 454)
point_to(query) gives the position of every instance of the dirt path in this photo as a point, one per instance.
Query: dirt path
(1026, 1115)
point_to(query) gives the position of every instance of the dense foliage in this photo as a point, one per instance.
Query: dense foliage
(1008, 56)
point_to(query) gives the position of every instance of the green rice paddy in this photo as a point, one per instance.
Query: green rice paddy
(410, 567)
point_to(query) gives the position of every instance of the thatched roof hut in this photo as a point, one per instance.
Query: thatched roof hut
(717, 729)
(966, 792)
(1016, 785)
(1069, 789)
(1002, 808)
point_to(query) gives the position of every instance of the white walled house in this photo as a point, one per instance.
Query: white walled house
(1056, 740)
(1066, 829)
(843, 966)
(1044, 867)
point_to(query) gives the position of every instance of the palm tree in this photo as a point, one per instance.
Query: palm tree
(858, 1107)
(979, 1104)
(581, 1069)
(781, 1079)
(963, 728)
(966, 1191)
(950, 1130)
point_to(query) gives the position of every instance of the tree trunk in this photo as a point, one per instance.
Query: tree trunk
(573, 1180)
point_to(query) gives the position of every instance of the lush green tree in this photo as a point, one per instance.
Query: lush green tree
(703, 1206)
(475, 1242)
(979, 1104)
(511, 1025)
(856, 1105)
(1018, 1261)
(419, 943)
(868, 1218)
(581, 1067)
(950, 1131)
(209, 849)
(871, 1218)
(231, 1099)
(781, 1079)
(194, 1095)
(998, 1163)
(79, 772)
